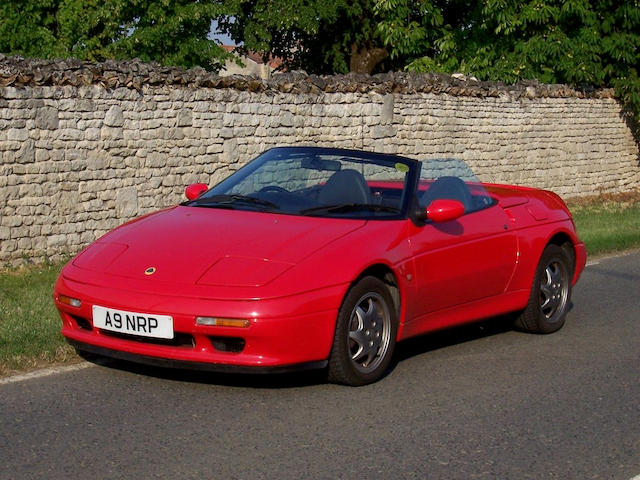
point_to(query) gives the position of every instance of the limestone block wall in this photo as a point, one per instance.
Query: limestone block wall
(79, 159)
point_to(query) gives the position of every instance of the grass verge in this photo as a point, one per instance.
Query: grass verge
(608, 223)
(30, 326)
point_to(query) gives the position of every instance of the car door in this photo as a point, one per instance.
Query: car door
(462, 260)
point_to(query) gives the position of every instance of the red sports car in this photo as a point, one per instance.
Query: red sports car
(320, 258)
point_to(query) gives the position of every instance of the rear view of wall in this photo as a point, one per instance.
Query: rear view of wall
(85, 147)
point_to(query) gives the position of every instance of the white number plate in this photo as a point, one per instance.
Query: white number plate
(144, 324)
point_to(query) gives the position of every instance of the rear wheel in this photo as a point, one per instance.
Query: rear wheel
(550, 293)
(365, 334)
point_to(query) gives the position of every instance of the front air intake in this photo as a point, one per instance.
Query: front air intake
(227, 344)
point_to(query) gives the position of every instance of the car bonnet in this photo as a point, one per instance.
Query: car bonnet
(190, 245)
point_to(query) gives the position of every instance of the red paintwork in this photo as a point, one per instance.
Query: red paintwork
(194, 190)
(444, 210)
(289, 274)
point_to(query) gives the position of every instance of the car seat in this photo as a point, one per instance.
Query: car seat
(345, 186)
(450, 188)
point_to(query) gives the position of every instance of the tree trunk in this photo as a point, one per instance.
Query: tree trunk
(365, 59)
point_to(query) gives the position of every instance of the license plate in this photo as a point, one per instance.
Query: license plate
(143, 324)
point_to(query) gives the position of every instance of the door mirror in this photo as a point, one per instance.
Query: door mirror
(444, 210)
(194, 190)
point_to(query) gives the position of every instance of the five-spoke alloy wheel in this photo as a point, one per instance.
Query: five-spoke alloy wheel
(550, 294)
(365, 334)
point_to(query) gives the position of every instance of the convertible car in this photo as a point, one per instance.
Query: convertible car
(320, 258)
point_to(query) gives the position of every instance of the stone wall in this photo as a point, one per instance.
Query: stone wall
(81, 153)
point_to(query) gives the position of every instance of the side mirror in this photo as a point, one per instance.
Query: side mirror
(444, 210)
(194, 190)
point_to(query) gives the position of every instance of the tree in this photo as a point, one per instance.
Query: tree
(29, 28)
(170, 32)
(579, 42)
(332, 36)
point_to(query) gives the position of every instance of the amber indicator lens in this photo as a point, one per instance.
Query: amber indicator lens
(223, 322)
(74, 302)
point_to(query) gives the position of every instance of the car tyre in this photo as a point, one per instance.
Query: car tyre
(550, 293)
(365, 334)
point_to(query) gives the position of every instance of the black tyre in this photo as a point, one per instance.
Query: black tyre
(365, 334)
(550, 293)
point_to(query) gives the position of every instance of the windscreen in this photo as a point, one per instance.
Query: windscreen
(315, 183)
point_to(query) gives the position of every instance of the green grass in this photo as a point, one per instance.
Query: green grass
(608, 226)
(30, 326)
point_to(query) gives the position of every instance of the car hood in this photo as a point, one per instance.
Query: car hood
(206, 246)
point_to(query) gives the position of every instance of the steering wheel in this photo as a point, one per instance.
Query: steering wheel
(273, 188)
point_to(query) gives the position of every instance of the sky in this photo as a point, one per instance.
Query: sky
(223, 38)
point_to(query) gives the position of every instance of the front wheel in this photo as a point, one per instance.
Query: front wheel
(365, 334)
(550, 293)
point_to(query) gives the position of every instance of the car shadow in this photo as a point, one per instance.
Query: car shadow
(449, 337)
(406, 349)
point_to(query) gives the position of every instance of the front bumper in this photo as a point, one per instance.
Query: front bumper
(283, 334)
(187, 365)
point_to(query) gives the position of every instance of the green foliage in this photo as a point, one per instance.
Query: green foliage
(578, 42)
(170, 32)
(28, 27)
(400, 26)
(317, 36)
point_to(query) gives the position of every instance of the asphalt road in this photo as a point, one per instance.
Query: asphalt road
(477, 402)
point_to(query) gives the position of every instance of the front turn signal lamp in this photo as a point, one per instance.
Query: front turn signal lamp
(223, 322)
(74, 302)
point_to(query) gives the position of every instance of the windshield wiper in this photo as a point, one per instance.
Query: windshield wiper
(349, 207)
(228, 201)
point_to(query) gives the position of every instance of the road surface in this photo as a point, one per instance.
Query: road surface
(482, 401)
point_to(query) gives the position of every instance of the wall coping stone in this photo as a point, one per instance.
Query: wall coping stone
(133, 74)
